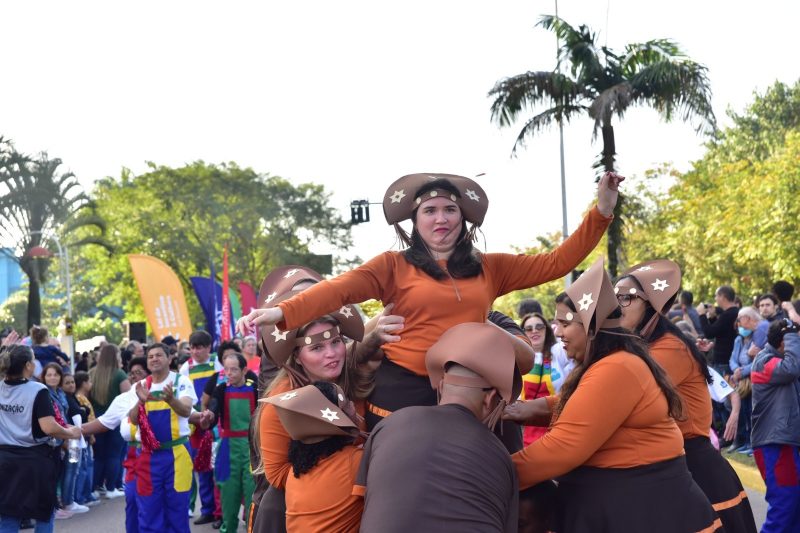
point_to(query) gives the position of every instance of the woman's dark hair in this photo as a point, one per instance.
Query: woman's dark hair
(57, 368)
(139, 361)
(464, 262)
(14, 359)
(549, 336)
(304, 457)
(239, 359)
(81, 377)
(664, 326)
(611, 340)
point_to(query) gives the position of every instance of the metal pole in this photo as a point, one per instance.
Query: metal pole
(564, 228)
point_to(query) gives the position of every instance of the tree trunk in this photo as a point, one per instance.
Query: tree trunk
(34, 303)
(615, 236)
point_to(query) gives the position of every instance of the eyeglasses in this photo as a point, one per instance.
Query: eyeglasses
(625, 300)
(537, 327)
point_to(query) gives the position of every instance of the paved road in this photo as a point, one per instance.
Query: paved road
(109, 517)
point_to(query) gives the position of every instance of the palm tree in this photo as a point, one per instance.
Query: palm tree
(38, 201)
(604, 83)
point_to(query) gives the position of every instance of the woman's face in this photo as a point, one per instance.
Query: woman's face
(249, 347)
(324, 360)
(51, 378)
(439, 223)
(632, 307)
(534, 329)
(571, 333)
(137, 373)
(68, 385)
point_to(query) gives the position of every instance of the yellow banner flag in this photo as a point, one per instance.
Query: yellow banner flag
(162, 297)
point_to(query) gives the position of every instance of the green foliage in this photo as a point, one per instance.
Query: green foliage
(39, 203)
(185, 216)
(733, 218)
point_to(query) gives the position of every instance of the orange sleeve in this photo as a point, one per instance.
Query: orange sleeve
(354, 286)
(274, 443)
(591, 416)
(515, 272)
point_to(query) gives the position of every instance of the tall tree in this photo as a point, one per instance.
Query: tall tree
(186, 215)
(37, 202)
(603, 83)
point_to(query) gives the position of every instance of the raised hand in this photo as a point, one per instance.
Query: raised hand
(608, 192)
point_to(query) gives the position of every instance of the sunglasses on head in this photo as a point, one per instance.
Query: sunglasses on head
(537, 327)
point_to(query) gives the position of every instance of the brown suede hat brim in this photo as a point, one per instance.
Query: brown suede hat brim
(400, 200)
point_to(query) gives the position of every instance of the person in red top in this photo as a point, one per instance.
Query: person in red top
(646, 292)
(439, 281)
(324, 459)
(613, 445)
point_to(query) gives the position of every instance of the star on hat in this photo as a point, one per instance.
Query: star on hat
(644, 268)
(346, 311)
(398, 196)
(279, 335)
(291, 273)
(288, 396)
(659, 284)
(473, 195)
(271, 297)
(585, 302)
(329, 415)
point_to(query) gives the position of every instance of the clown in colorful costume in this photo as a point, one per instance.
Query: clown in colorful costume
(199, 368)
(164, 467)
(233, 404)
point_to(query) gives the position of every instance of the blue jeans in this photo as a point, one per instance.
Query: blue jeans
(83, 485)
(68, 478)
(10, 524)
(107, 459)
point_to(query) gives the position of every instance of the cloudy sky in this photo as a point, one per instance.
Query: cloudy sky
(356, 94)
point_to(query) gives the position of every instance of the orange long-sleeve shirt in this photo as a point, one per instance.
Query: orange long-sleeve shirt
(616, 418)
(322, 500)
(676, 360)
(274, 440)
(430, 306)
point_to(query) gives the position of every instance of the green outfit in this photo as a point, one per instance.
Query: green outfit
(234, 406)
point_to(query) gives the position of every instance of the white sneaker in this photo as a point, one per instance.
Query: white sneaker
(91, 503)
(75, 507)
(96, 495)
(62, 514)
(191, 513)
(111, 494)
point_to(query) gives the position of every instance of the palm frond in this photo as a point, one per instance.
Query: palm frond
(99, 241)
(679, 87)
(523, 92)
(640, 55)
(577, 47)
(559, 113)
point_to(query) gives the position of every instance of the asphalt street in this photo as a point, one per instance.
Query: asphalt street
(109, 517)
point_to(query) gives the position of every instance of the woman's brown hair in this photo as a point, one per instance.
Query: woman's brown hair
(103, 374)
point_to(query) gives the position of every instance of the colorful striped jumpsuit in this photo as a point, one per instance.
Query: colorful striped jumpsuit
(199, 374)
(164, 476)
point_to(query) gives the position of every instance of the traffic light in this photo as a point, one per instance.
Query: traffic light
(359, 211)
